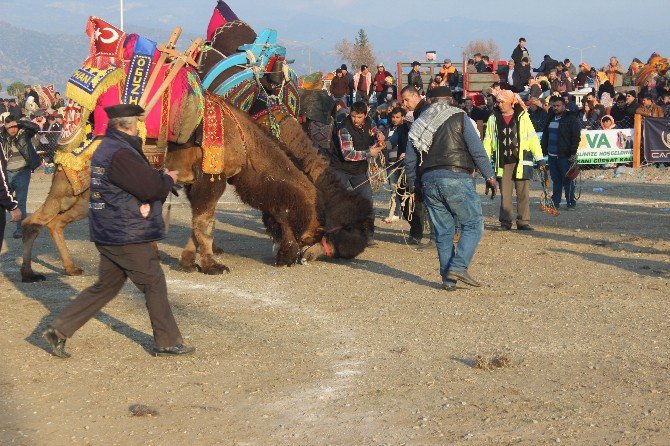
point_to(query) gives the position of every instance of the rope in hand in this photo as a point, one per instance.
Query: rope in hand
(546, 203)
(377, 172)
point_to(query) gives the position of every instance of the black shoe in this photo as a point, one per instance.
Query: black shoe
(505, 227)
(56, 343)
(524, 228)
(413, 241)
(572, 207)
(464, 277)
(179, 349)
(449, 286)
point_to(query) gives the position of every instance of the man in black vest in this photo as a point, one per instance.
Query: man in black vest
(355, 142)
(451, 150)
(125, 218)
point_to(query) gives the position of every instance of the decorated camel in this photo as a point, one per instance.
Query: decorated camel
(204, 138)
(656, 66)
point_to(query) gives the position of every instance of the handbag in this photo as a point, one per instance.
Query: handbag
(573, 172)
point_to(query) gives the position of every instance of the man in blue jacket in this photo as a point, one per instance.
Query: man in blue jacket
(125, 218)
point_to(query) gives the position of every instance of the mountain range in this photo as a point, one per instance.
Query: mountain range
(33, 54)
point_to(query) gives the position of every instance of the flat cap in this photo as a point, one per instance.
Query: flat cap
(124, 111)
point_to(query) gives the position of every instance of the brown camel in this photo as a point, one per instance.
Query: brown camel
(255, 163)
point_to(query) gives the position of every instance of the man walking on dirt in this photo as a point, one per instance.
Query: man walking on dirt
(125, 218)
(451, 151)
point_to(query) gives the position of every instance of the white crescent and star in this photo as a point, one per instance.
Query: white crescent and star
(114, 35)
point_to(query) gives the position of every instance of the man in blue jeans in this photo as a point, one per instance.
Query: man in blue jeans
(560, 141)
(22, 160)
(451, 151)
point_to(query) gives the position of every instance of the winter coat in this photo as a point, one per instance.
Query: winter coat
(27, 130)
(569, 135)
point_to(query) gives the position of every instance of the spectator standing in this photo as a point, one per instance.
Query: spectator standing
(22, 160)
(546, 66)
(339, 86)
(650, 89)
(412, 101)
(631, 103)
(363, 84)
(355, 142)
(14, 108)
(560, 141)
(451, 152)
(665, 104)
(537, 114)
(614, 72)
(4, 106)
(7, 202)
(396, 144)
(480, 65)
(448, 71)
(125, 217)
(378, 83)
(470, 67)
(619, 113)
(520, 52)
(390, 92)
(511, 141)
(649, 109)
(414, 77)
(58, 101)
(570, 69)
(350, 77)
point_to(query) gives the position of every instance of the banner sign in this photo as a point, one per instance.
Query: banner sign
(604, 146)
(656, 140)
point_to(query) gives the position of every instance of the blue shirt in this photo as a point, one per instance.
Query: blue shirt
(552, 143)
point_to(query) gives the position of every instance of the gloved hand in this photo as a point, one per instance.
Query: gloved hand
(541, 165)
(491, 185)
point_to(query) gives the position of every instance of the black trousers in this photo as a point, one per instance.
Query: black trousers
(141, 264)
(3, 222)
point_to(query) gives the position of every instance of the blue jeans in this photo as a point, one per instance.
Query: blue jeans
(18, 182)
(452, 201)
(558, 167)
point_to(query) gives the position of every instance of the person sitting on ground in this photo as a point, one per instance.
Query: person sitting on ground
(649, 109)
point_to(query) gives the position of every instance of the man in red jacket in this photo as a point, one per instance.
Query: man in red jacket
(378, 82)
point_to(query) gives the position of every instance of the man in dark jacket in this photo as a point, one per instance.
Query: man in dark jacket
(411, 101)
(125, 218)
(350, 77)
(7, 202)
(14, 108)
(339, 86)
(547, 65)
(560, 140)
(451, 152)
(22, 160)
(414, 77)
(354, 143)
(520, 51)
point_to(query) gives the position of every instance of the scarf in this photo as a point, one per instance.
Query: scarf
(423, 130)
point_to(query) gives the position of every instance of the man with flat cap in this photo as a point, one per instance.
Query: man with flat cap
(125, 218)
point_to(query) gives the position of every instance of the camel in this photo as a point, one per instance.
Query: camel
(255, 164)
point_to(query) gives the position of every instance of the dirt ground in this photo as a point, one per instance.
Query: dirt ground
(369, 351)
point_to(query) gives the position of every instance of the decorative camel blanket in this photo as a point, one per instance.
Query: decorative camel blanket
(213, 136)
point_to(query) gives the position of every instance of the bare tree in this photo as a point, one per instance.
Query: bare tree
(484, 47)
(357, 53)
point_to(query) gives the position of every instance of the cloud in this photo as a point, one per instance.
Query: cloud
(69, 6)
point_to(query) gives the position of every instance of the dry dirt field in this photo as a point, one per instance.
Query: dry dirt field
(364, 352)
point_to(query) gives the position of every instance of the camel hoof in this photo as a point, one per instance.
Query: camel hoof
(74, 271)
(217, 251)
(189, 267)
(215, 269)
(32, 278)
(288, 255)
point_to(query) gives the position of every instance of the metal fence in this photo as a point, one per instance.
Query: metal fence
(46, 144)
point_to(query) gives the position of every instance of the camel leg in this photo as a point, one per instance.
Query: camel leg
(59, 199)
(204, 195)
(56, 226)
(289, 248)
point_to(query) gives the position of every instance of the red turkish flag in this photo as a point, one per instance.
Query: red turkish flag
(106, 44)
